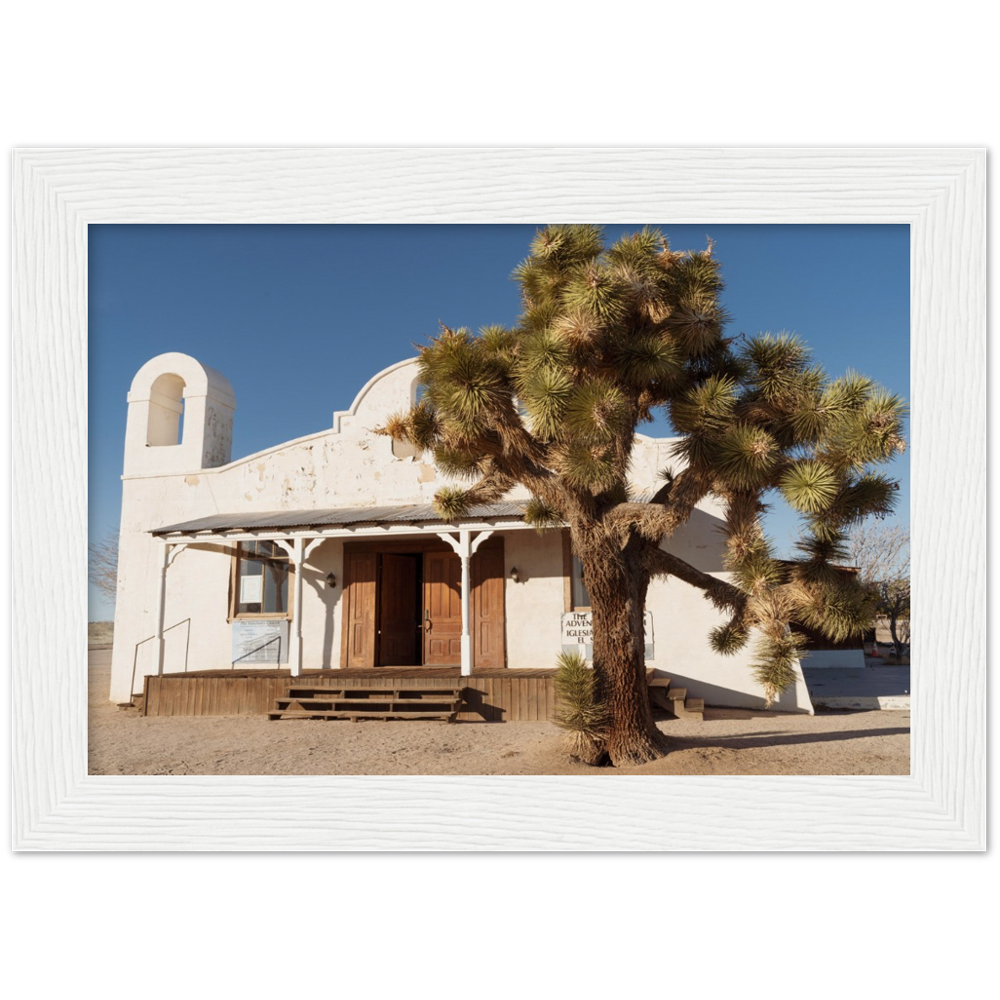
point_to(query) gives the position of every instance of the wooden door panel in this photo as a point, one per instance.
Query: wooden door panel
(359, 609)
(488, 582)
(398, 624)
(442, 609)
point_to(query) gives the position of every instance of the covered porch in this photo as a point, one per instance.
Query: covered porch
(411, 591)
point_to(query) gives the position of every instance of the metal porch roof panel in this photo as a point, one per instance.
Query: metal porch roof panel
(335, 517)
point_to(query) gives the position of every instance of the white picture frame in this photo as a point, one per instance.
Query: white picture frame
(939, 192)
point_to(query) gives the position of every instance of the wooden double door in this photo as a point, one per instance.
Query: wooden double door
(403, 606)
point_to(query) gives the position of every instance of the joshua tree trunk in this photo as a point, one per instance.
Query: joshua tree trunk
(617, 587)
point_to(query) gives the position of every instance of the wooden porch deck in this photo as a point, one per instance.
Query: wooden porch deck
(499, 695)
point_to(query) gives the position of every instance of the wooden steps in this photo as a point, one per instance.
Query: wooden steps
(675, 700)
(356, 703)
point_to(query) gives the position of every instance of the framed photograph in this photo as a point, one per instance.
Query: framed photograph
(940, 193)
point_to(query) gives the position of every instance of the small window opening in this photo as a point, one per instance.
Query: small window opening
(403, 449)
(166, 412)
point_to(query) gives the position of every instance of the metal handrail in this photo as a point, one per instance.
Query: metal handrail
(135, 654)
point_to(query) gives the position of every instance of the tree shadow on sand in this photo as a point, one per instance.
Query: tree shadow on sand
(759, 740)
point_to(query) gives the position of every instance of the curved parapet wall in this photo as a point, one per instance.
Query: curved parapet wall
(392, 389)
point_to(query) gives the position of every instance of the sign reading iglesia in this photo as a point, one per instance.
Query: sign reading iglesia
(578, 633)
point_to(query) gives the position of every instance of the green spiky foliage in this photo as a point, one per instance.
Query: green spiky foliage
(608, 337)
(774, 666)
(728, 639)
(579, 710)
(451, 502)
(542, 515)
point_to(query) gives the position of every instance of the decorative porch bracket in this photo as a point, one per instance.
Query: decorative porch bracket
(465, 547)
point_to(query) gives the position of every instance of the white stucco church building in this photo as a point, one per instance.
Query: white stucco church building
(324, 554)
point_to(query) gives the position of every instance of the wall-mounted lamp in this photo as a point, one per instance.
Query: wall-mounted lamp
(331, 581)
(515, 577)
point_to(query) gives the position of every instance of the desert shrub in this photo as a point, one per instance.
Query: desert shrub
(578, 709)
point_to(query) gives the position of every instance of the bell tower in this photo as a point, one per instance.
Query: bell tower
(180, 417)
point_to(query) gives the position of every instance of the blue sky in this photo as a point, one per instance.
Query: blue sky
(298, 318)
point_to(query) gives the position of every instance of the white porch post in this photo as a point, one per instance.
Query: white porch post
(465, 546)
(465, 554)
(298, 552)
(161, 606)
(296, 651)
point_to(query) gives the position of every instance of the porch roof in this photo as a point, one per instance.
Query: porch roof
(340, 517)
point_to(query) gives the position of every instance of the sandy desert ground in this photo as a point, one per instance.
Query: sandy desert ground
(729, 741)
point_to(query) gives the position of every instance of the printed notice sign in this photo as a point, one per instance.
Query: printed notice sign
(578, 633)
(251, 589)
(263, 641)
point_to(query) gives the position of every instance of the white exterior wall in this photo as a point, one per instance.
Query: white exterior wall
(682, 620)
(345, 466)
(535, 605)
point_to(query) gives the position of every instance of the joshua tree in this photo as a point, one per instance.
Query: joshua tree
(608, 336)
